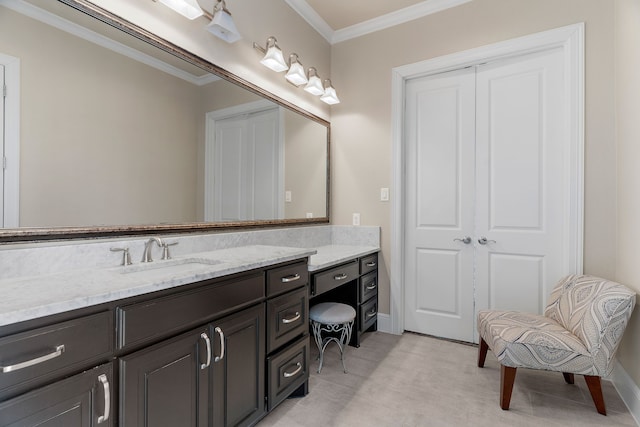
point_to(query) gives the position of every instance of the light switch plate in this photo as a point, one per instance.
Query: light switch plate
(287, 196)
(384, 194)
(356, 219)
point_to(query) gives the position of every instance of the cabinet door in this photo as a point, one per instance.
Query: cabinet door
(167, 384)
(83, 400)
(238, 368)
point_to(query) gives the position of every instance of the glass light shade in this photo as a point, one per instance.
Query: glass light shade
(314, 86)
(296, 74)
(330, 96)
(222, 26)
(274, 59)
(187, 8)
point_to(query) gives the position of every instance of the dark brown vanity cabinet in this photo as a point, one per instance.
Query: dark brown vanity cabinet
(221, 352)
(212, 375)
(287, 333)
(355, 283)
(37, 367)
(83, 400)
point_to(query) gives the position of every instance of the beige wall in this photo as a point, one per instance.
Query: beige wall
(627, 49)
(256, 20)
(104, 139)
(305, 173)
(361, 124)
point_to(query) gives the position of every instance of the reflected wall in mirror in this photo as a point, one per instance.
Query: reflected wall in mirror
(108, 140)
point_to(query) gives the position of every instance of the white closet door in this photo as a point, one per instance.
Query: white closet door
(440, 132)
(246, 167)
(486, 158)
(522, 182)
(230, 170)
(264, 179)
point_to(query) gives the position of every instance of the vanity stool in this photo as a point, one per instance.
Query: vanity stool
(336, 320)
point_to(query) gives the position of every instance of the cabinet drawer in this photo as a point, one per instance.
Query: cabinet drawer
(31, 358)
(287, 278)
(160, 317)
(84, 399)
(287, 317)
(368, 314)
(327, 280)
(287, 370)
(368, 286)
(368, 263)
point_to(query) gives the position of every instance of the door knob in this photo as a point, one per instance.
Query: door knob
(466, 240)
(483, 241)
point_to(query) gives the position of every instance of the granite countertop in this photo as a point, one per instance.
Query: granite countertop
(28, 298)
(31, 297)
(328, 256)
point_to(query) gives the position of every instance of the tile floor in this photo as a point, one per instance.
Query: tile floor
(414, 380)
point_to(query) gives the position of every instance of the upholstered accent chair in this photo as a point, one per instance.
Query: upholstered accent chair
(579, 333)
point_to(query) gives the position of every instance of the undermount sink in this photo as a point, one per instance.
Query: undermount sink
(180, 265)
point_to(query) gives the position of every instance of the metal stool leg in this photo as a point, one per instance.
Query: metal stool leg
(345, 336)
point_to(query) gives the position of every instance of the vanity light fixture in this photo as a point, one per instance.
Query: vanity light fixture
(314, 85)
(222, 25)
(273, 57)
(329, 96)
(187, 8)
(296, 74)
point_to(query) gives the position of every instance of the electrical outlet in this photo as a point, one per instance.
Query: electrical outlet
(309, 214)
(356, 219)
(287, 196)
(384, 194)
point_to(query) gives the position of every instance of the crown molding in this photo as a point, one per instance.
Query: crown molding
(397, 17)
(53, 20)
(311, 16)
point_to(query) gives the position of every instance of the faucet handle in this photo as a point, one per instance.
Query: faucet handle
(165, 249)
(126, 256)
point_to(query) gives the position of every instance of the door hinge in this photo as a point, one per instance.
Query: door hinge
(4, 163)
(4, 91)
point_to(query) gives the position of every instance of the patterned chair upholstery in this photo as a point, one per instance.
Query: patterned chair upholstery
(579, 333)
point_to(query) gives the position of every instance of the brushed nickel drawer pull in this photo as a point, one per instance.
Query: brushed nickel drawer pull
(371, 314)
(372, 286)
(292, 319)
(291, 278)
(371, 264)
(221, 335)
(294, 373)
(341, 276)
(207, 341)
(107, 398)
(56, 353)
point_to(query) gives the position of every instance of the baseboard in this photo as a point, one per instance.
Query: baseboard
(384, 323)
(628, 390)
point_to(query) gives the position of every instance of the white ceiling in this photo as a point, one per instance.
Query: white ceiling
(340, 20)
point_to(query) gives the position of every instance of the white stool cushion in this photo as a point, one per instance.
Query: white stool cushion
(332, 313)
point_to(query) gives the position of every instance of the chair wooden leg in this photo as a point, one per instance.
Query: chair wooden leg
(595, 389)
(507, 378)
(568, 378)
(482, 352)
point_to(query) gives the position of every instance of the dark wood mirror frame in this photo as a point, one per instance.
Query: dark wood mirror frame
(63, 233)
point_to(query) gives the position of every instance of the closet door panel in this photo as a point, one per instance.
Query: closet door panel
(521, 184)
(440, 134)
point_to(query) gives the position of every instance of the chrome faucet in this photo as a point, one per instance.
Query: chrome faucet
(146, 255)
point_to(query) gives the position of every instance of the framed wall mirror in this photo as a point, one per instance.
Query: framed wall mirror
(124, 133)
